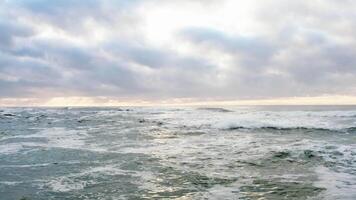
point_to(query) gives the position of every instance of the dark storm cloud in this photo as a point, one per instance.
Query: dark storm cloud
(100, 48)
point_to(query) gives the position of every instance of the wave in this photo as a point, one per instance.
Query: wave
(300, 128)
(215, 109)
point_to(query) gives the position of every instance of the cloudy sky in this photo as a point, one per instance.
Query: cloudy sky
(175, 50)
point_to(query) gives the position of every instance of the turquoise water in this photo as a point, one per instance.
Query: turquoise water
(274, 152)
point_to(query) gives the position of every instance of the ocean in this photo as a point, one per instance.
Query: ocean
(232, 152)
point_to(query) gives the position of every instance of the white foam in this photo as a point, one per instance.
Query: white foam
(250, 118)
(64, 184)
(53, 138)
(10, 183)
(10, 148)
(107, 170)
(71, 182)
(289, 119)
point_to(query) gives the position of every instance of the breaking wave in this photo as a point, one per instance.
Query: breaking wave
(306, 129)
(215, 109)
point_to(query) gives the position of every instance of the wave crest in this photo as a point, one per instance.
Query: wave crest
(300, 128)
(215, 109)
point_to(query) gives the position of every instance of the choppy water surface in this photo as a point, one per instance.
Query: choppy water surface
(178, 153)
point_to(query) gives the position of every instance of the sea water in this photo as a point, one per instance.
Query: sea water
(252, 152)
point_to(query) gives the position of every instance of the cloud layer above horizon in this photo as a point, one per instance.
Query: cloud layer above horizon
(151, 49)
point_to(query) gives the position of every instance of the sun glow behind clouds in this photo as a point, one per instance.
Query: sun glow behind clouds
(161, 23)
(177, 52)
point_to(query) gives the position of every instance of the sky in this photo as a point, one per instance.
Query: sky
(131, 52)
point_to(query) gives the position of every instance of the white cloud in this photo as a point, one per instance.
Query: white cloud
(150, 49)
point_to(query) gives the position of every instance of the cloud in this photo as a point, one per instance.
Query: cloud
(146, 49)
(10, 31)
(253, 51)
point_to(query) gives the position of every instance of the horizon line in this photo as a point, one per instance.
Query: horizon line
(116, 102)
